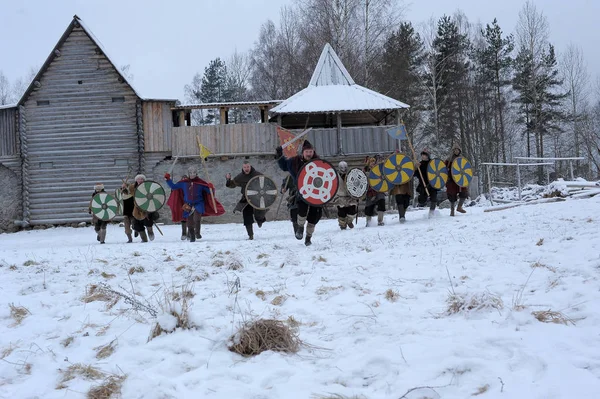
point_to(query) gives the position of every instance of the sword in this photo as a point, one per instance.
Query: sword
(304, 133)
(173, 166)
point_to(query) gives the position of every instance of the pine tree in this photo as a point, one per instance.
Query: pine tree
(399, 74)
(214, 87)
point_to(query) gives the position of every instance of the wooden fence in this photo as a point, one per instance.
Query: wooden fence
(261, 138)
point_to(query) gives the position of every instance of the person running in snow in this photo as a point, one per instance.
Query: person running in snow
(306, 213)
(175, 202)
(374, 198)
(452, 189)
(346, 205)
(142, 220)
(403, 194)
(99, 225)
(194, 189)
(287, 186)
(424, 185)
(249, 213)
(128, 206)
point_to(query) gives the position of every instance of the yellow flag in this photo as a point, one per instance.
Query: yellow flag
(204, 152)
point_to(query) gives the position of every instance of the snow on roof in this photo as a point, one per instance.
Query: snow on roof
(227, 104)
(332, 89)
(7, 106)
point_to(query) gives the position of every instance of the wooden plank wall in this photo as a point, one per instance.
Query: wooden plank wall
(8, 132)
(262, 138)
(158, 125)
(76, 133)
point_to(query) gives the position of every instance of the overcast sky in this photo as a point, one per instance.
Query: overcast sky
(166, 42)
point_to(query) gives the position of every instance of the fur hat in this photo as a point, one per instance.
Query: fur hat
(99, 187)
(192, 171)
(140, 176)
(343, 166)
(307, 145)
(455, 146)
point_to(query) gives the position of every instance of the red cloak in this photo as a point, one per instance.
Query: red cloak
(175, 202)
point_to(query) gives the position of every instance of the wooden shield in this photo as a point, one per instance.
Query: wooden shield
(437, 173)
(317, 182)
(261, 192)
(377, 181)
(149, 196)
(461, 172)
(398, 169)
(104, 206)
(356, 183)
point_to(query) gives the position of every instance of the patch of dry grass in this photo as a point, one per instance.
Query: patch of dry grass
(261, 294)
(179, 268)
(261, 256)
(481, 390)
(136, 269)
(263, 335)
(549, 316)
(18, 313)
(177, 304)
(540, 242)
(67, 341)
(465, 303)
(392, 295)
(110, 388)
(87, 372)
(104, 351)
(292, 322)
(7, 351)
(169, 259)
(540, 265)
(12, 267)
(319, 259)
(99, 293)
(279, 300)
(30, 263)
(107, 275)
(325, 290)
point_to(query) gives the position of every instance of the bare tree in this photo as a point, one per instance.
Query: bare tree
(576, 82)
(192, 96)
(5, 90)
(21, 84)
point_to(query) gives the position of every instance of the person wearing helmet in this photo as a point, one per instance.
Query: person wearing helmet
(249, 214)
(346, 205)
(99, 225)
(424, 187)
(194, 190)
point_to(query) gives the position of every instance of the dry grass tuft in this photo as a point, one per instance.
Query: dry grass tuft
(99, 293)
(263, 335)
(202, 276)
(465, 303)
(136, 269)
(169, 259)
(107, 275)
(7, 351)
(12, 267)
(176, 304)
(261, 294)
(325, 290)
(549, 316)
(67, 341)
(136, 253)
(392, 295)
(110, 388)
(104, 351)
(319, 259)
(261, 256)
(338, 396)
(279, 300)
(18, 313)
(179, 268)
(540, 265)
(292, 322)
(87, 372)
(30, 263)
(481, 390)
(540, 242)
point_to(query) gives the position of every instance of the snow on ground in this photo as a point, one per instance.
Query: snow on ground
(534, 258)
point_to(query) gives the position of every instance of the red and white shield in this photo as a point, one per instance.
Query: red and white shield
(317, 182)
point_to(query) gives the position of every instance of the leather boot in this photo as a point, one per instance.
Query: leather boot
(310, 229)
(143, 235)
(97, 234)
(129, 238)
(350, 221)
(402, 213)
(368, 221)
(184, 231)
(380, 218)
(102, 236)
(192, 235)
(460, 205)
(452, 206)
(250, 232)
(150, 233)
(342, 223)
(197, 227)
(300, 229)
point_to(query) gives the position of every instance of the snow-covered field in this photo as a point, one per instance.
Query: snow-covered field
(359, 341)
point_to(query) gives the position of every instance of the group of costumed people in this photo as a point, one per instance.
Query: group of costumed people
(193, 198)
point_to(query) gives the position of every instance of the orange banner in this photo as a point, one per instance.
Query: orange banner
(287, 136)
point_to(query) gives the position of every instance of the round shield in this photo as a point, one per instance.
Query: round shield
(149, 196)
(461, 171)
(377, 181)
(356, 183)
(261, 192)
(317, 182)
(398, 169)
(437, 173)
(104, 206)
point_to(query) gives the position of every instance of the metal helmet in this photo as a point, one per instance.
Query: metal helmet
(343, 166)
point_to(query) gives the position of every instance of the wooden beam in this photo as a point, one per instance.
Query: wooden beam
(181, 118)
(224, 115)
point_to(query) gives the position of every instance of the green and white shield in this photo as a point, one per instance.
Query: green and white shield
(104, 206)
(150, 196)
